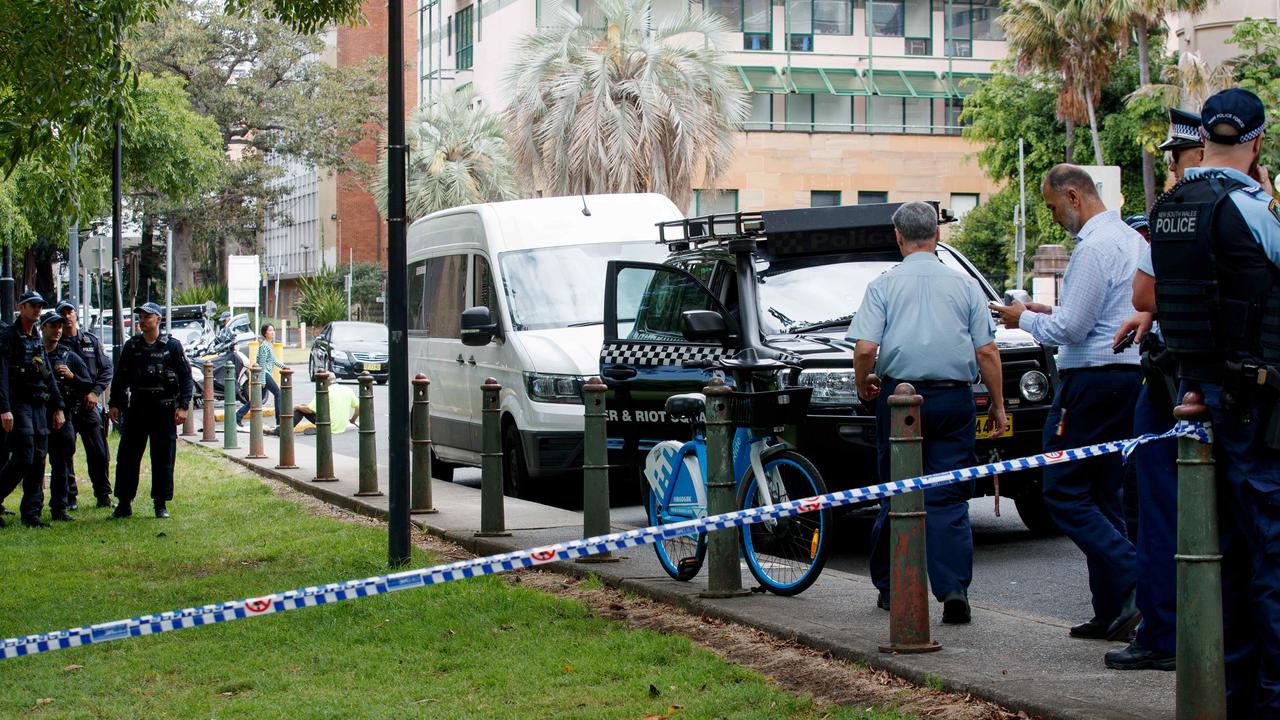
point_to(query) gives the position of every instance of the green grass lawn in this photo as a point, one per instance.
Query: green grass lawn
(481, 648)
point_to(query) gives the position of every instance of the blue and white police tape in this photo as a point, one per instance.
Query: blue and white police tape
(337, 592)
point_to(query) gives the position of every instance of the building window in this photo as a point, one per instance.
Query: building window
(832, 17)
(730, 10)
(761, 112)
(886, 17)
(871, 197)
(714, 202)
(954, 107)
(962, 203)
(800, 14)
(972, 20)
(799, 110)
(917, 25)
(885, 115)
(448, 22)
(753, 18)
(832, 113)
(824, 198)
(917, 116)
(464, 29)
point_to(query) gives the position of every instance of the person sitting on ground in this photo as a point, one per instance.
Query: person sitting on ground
(344, 410)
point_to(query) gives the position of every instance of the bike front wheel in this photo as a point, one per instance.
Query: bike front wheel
(785, 555)
(681, 557)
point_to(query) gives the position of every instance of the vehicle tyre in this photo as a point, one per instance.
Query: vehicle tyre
(1033, 512)
(786, 555)
(311, 367)
(441, 470)
(681, 557)
(515, 471)
(382, 381)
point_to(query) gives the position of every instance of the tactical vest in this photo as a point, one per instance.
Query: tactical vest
(152, 381)
(1217, 292)
(72, 395)
(85, 345)
(29, 369)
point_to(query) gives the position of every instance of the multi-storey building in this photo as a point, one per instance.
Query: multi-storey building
(851, 100)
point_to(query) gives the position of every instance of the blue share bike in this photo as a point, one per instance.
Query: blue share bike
(785, 555)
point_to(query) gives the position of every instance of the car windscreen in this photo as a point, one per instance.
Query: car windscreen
(822, 292)
(359, 333)
(188, 331)
(564, 286)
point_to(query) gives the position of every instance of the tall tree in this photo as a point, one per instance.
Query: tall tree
(627, 107)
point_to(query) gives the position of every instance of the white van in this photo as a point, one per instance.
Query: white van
(529, 277)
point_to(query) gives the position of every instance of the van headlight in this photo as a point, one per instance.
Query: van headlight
(830, 387)
(1033, 386)
(544, 387)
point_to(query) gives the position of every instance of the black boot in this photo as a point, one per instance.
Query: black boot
(1137, 657)
(123, 510)
(161, 512)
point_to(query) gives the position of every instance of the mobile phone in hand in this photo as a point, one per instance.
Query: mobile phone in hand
(1125, 342)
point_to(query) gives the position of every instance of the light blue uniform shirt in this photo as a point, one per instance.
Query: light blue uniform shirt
(927, 319)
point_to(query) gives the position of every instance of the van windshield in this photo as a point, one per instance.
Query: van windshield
(564, 286)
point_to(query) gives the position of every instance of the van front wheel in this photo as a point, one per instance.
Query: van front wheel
(515, 471)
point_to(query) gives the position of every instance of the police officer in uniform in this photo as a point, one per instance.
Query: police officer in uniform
(1185, 146)
(27, 389)
(924, 323)
(153, 387)
(73, 382)
(86, 415)
(1215, 252)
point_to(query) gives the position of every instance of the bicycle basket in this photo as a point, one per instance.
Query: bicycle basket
(769, 409)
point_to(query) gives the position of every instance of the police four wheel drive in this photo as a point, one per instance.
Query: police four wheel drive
(787, 283)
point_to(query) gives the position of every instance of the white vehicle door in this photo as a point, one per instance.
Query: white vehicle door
(438, 290)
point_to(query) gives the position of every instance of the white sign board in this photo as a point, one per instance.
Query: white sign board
(1107, 179)
(243, 278)
(1044, 290)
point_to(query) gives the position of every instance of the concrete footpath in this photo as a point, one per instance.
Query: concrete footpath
(1023, 662)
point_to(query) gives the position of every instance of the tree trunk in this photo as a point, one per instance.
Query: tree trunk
(183, 275)
(1144, 79)
(1093, 127)
(1069, 155)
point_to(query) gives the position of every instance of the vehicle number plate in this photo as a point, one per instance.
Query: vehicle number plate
(984, 426)
(373, 367)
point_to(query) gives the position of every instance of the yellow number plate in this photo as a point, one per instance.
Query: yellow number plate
(984, 426)
(373, 367)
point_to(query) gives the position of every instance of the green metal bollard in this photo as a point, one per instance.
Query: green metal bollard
(908, 578)
(1201, 682)
(229, 409)
(256, 445)
(492, 523)
(724, 573)
(368, 435)
(595, 469)
(324, 440)
(210, 429)
(420, 424)
(284, 423)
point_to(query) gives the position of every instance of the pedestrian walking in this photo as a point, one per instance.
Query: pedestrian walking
(152, 387)
(74, 382)
(87, 415)
(927, 324)
(1215, 254)
(1095, 399)
(27, 389)
(266, 360)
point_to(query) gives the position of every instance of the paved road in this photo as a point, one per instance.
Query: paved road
(1012, 569)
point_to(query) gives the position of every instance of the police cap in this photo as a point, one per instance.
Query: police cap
(64, 306)
(50, 316)
(225, 314)
(148, 308)
(1238, 108)
(1184, 130)
(31, 297)
(1137, 222)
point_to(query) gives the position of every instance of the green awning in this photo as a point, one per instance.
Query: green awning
(762, 79)
(891, 83)
(927, 85)
(964, 84)
(845, 82)
(809, 80)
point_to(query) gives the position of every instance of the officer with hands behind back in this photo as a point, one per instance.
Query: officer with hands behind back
(27, 388)
(86, 415)
(153, 387)
(73, 382)
(1215, 251)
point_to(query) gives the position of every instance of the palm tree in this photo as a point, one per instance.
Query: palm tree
(1076, 40)
(1188, 84)
(458, 154)
(626, 108)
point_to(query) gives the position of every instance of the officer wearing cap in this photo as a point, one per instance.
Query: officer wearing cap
(27, 389)
(1185, 146)
(152, 386)
(73, 381)
(926, 324)
(86, 415)
(1215, 252)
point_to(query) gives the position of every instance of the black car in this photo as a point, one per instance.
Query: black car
(347, 349)
(787, 282)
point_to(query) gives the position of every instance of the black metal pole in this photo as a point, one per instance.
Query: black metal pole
(117, 251)
(397, 280)
(6, 285)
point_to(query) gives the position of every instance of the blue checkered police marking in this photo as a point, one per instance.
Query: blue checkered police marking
(505, 562)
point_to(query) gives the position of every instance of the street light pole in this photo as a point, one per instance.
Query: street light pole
(397, 281)
(117, 251)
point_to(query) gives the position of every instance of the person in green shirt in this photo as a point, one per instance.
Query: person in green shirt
(267, 361)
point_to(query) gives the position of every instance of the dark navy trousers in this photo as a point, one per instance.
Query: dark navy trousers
(1084, 497)
(947, 424)
(1157, 467)
(27, 444)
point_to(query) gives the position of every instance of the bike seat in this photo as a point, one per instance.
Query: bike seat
(688, 405)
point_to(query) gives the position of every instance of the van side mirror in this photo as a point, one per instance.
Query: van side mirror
(703, 325)
(478, 327)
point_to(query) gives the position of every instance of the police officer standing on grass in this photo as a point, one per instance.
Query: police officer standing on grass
(1095, 399)
(27, 389)
(153, 386)
(1215, 251)
(86, 415)
(73, 382)
(927, 324)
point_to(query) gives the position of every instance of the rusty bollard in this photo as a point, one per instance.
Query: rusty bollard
(908, 578)
(368, 467)
(724, 572)
(492, 520)
(284, 423)
(324, 438)
(257, 447)
(210, 430)
(420, 426)
(595, 469)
